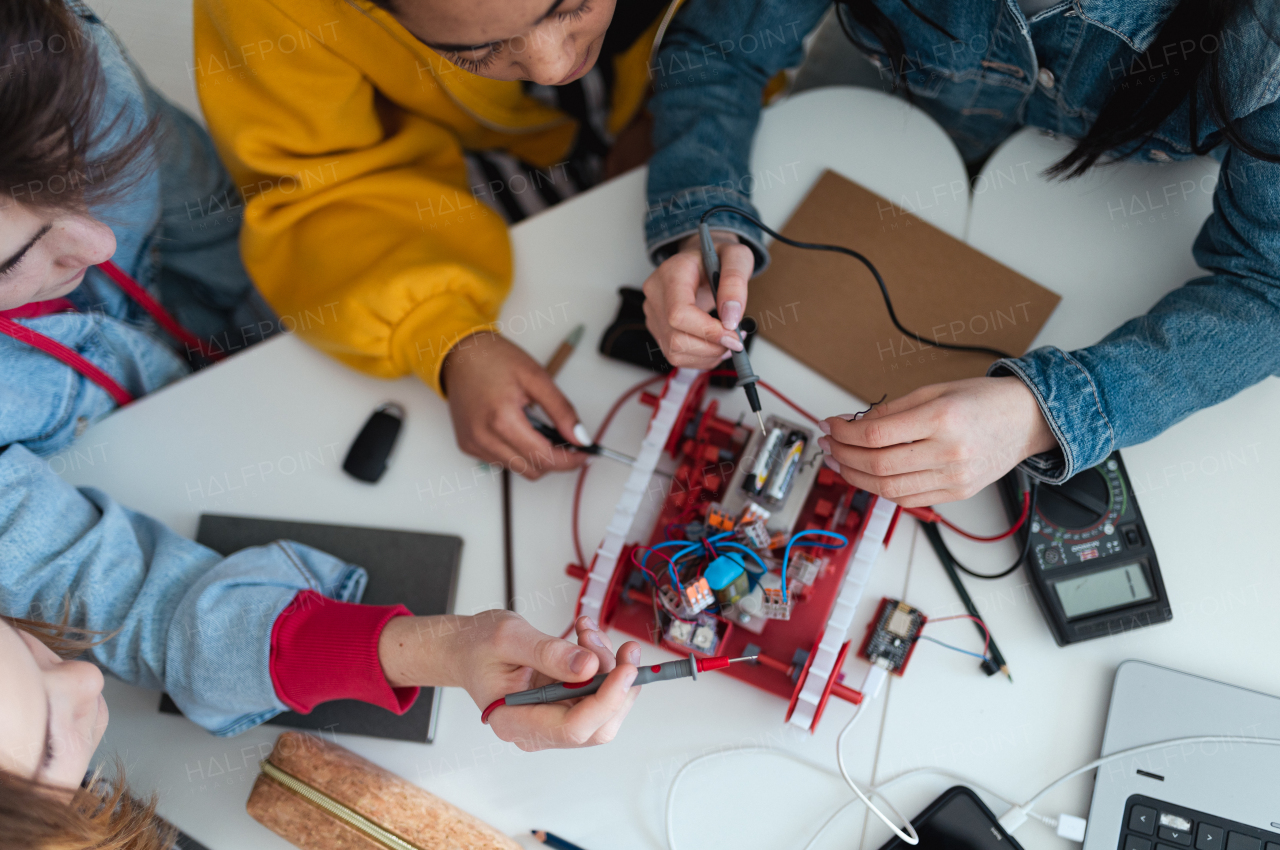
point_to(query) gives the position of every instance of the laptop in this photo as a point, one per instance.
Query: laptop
(1202, 796)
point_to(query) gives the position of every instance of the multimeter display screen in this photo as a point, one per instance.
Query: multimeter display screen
(1113, 588)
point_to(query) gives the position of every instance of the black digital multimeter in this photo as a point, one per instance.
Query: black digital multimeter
(1091, 562)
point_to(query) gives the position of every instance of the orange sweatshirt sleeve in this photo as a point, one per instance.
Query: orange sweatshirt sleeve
(359, 227)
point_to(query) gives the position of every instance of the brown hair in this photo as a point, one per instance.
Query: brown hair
(51, 95)
(100, 815)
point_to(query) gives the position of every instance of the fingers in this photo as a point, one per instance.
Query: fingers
(888, 429)
(590, 720)
(894, 460)
(595, 641)
(521, 645)
(629, 653)
(905, 490)
(585, 723)
(687, 334)
(736, 264)
(531, 454)
(543, 390)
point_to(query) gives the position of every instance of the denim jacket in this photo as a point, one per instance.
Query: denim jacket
(185, 619)
(1197, 346)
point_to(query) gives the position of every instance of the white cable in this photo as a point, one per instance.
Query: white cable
(1015, 817)
(1016, 813)
(675, 781)
(871, 686)
(909, 836)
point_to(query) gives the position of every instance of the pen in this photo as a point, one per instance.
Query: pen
(684, 668)
(995, 663)
(741, 362)
(565, 350)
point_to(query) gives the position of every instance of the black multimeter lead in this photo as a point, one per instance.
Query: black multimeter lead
(747, 377)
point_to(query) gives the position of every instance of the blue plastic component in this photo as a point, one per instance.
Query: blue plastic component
(723, 571)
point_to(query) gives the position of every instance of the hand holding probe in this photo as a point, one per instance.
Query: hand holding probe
(559, 441)
(684, 668)
(741, 362)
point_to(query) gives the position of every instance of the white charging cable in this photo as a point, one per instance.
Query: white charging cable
(1017, 816)
(1068, 826)
(871, 686)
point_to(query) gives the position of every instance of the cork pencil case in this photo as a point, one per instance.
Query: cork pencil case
(320, 796)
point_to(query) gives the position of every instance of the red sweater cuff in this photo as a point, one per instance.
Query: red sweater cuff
(323, 649)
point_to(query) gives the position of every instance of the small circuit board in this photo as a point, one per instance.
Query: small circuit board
(892, 635)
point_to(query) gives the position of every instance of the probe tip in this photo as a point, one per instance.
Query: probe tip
(763, 430)
(744, 658)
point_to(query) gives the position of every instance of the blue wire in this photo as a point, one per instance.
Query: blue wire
(813, 532)
(721, 536)
(949, 646)
(671, 567)
(749, 552)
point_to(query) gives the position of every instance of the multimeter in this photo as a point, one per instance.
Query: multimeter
(1091, 563)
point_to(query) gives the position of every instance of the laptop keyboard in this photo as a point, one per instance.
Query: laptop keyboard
(1150, 824)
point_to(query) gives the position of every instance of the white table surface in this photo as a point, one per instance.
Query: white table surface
(263, 434)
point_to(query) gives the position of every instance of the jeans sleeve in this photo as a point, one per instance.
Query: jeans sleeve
(1199, 345)
(180, 617)
(708, 80)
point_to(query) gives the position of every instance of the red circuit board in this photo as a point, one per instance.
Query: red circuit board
(708, 449)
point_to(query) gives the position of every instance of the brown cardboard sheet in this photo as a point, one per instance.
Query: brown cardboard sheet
(825, 309)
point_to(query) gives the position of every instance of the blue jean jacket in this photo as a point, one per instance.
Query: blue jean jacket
(1199, 345)
(185, 619)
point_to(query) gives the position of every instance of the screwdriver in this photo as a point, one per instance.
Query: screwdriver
(741, 362)
(558, 440)
(684, 668)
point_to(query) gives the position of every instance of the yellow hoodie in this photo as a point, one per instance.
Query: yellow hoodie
(345, 135)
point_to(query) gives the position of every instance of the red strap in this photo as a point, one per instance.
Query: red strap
(36, 309)
(160, 314)
(21, 333)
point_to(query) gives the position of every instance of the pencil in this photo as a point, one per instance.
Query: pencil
(565, 350)
(557, 361)
(995, 663)
(555, 841)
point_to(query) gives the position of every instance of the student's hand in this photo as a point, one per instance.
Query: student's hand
(496, 653)
(939, 443)
(489, 382)
(678, 303)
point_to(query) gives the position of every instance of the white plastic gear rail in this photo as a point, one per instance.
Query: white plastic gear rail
(841, 617)
(624, 512)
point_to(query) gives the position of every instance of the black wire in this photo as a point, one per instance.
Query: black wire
(862, 413)
(884, 290)
(1026, 544)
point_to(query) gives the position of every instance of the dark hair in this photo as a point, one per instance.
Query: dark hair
(1131, 113)
(51, 97)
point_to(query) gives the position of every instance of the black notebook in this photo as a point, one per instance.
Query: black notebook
(417, 570)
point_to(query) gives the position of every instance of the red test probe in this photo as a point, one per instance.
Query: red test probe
(684, 668)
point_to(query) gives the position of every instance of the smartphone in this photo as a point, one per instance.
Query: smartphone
(957, 820)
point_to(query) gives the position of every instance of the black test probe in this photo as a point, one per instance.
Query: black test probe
(741, 362)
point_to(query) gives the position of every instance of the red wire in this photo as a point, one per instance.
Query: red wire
(930, 515)
(577, 490)
(484, 715)
(582, 474)
(986, 644)
(653, 578)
